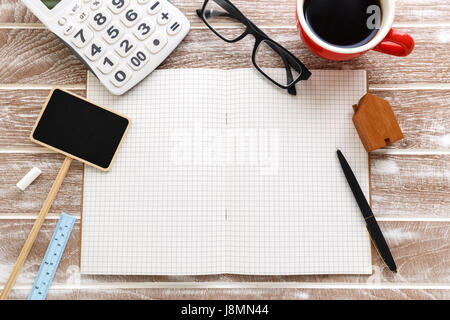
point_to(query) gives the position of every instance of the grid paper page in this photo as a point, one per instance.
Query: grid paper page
(223, 173)
(293, 211)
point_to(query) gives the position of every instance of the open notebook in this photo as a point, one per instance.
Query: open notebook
(222, 172)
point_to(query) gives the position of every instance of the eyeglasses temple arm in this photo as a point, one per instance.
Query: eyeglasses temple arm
(214, 13)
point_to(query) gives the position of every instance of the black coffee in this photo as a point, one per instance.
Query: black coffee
(342, 23)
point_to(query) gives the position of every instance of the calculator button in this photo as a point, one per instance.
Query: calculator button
(130, 17)
(117, 6)
(139, 59)
(144, 29)
(62, 21)
(83, 16)
(121, 76)
(95, 5)
(108, 63)
(154, 7)
(76, 7)
(95, 50)
(99, 20)
(82, 37)
(69, 29)
(164, 17)
(173, 28)
(113, 33)
(125, 46)
(156, 42)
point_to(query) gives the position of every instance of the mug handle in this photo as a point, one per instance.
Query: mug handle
(396, 43)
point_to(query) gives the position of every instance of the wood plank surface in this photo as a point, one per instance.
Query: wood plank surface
(14, 201)
(36, 56)
(13, 11)
(421, 251)
(410, 179)
(399, 183)
(423, 115)
(410, 185)
(407, 11)
(240, 294)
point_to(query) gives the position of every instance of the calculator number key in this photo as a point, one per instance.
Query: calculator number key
(144, 29)
(117, 6)
(121, 76)
(156, 43)
(99, 20)
(95, 50)
(139, 59)
(130, 17)
(108, 63)
(113, 33)
(125, 46)
(82, 37)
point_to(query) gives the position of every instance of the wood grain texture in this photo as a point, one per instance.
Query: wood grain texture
(14, 201)
(40, 58)
(407, 11)
(13, 11)
(240, 294)
(12, 238)
(410, 185)
(423, 115)
(421, 251)
(37, 56)
(401, 185)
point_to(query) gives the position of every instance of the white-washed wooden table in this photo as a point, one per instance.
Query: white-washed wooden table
(410, 179)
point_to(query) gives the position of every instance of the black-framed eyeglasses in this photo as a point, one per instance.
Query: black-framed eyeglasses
(268, 56)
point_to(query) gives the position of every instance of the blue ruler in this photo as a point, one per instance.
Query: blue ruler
(52, 257)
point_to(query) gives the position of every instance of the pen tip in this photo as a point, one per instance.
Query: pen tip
(393, 268)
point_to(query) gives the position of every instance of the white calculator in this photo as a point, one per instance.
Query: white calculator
(120, 41)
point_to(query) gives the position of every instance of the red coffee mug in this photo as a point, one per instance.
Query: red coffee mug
(387, 40)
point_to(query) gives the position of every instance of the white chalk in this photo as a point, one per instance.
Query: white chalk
(29, 178)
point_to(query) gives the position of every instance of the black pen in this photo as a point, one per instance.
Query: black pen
(371, 223)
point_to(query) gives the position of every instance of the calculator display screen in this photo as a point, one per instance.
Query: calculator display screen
(50, 3)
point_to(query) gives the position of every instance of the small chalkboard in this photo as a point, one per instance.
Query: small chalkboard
(80, 129)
